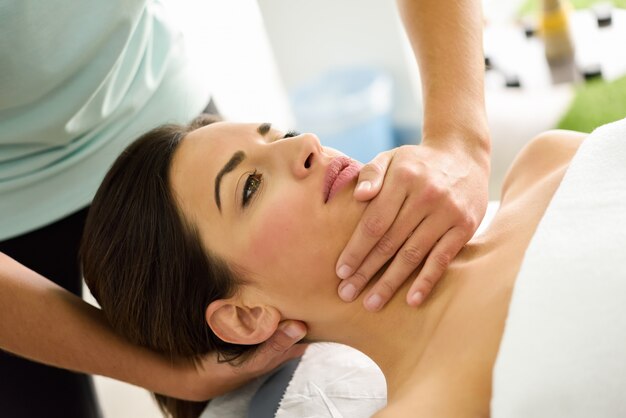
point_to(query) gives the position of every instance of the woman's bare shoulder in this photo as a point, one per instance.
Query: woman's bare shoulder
(543, 155)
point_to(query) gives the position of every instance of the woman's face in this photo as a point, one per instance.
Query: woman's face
(260, 201)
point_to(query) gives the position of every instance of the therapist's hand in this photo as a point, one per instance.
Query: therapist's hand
(281, 347)
(210, 378)
(426, 203)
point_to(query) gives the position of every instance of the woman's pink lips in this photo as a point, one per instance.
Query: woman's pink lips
(340, 172)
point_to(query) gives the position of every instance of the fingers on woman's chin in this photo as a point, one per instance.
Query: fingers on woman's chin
(416, 298)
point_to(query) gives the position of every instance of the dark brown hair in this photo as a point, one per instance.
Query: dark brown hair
(146, 265)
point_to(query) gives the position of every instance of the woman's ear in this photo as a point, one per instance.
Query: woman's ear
(237, 324)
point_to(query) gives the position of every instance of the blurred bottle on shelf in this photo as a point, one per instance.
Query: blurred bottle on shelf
(554, 27)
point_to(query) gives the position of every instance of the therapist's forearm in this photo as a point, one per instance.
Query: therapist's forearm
(446, 36)
(43, 322)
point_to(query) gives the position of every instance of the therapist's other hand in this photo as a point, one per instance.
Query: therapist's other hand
(211, 378)
(426, 203)
(281, 347)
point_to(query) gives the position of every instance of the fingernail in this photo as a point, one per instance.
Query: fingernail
(364, 186)
(374, 302)
(344, 271)
(417, 298)
(293, 331)
(347, 292)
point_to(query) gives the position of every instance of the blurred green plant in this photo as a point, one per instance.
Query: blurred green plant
(595, 103)
(532, 6)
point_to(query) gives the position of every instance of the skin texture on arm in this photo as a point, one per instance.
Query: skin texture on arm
(43, 322)
(427, 200)
(446, 37)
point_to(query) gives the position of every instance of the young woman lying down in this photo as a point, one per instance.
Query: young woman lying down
(204, 238)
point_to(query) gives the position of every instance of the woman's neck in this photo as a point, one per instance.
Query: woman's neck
(397, 336)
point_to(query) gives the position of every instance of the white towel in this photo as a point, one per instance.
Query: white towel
(334, 381)
(331, 381)
(563, 353)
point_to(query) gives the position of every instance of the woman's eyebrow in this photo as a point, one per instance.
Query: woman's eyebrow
(234, 161)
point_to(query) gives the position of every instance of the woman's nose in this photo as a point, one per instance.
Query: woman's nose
(305, 151)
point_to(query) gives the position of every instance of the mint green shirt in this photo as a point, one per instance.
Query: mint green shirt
(79, 81)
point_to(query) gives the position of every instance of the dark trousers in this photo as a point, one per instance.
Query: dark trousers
(29, 389)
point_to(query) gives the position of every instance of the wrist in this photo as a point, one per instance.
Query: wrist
(167, 377)
(181, 381)
(173, 378)
(205, 380)
(473, 141)
(457, 122)
(184, 380)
